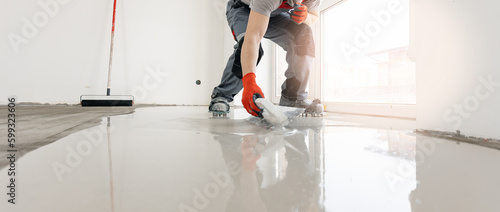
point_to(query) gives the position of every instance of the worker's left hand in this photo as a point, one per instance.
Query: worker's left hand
(299, 13)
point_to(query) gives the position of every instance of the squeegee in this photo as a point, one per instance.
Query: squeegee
(108, 99)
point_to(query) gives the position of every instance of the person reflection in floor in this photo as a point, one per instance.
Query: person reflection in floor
(274, 174)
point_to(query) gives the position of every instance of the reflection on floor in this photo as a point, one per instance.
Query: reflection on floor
(181, 159)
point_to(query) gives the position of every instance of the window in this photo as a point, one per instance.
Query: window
(364, 56)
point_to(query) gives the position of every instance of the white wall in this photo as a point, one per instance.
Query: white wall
(457, 49)
(68, 56)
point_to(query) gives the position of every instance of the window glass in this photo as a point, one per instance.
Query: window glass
(365, 52)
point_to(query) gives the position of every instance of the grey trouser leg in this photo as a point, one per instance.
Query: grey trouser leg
(231, 85)
(295, 39)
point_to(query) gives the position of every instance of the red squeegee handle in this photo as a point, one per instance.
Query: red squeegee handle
(114, 16)
(108, 91)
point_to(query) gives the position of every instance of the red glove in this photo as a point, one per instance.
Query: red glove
(249, 155)
(251, 91)
(299, 13)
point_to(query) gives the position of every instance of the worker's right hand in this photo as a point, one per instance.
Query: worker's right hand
(299, 13)
(251, 91)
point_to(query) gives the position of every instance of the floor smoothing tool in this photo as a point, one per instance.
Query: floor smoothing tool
(108, 100)
(277, 117)
(272, 113)
(274, 116)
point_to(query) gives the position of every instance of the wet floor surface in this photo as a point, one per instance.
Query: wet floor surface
(181, 159)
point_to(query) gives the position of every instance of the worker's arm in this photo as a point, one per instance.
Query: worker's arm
(256, 28)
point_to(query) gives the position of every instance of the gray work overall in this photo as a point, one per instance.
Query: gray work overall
(296, 40)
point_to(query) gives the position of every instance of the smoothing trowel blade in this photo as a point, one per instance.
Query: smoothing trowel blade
(276, 115)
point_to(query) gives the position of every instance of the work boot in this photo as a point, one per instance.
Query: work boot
(297, 103)
(312, 107)
(219, 104)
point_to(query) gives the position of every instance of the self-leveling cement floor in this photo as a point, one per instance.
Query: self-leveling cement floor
(181, 159)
